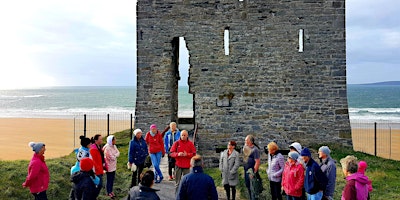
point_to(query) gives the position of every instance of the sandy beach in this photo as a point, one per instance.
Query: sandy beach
(387, 145)
(61, 136)
(57, 134)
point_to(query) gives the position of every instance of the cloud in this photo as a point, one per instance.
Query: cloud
(373, 40)
(93, 42)
(69, 41)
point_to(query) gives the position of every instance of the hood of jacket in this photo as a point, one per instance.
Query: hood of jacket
(110, 139)
(358, 177)
(78, 176)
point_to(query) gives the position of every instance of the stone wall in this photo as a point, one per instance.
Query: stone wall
(265, 86)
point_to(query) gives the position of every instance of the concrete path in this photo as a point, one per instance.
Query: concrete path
(167, 188)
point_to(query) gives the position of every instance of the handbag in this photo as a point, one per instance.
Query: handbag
(147, 162)
(258, 186)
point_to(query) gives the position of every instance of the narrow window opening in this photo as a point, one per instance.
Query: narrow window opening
(185, 99)
(301, 40)
(226, 41)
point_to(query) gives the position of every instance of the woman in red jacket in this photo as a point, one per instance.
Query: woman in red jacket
(38, 174)
(99, 163)
(155, 142)
(293, 177)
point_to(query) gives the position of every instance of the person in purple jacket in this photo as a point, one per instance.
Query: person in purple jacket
(357, 183)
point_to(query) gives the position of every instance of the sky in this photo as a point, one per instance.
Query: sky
(92, 43)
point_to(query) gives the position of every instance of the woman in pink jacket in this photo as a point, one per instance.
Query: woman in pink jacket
(293, 177)
(110, 155)
(38, 174)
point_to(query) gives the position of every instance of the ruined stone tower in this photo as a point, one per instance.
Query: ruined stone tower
(282, 77)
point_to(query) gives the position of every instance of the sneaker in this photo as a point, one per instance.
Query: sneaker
(170, 178)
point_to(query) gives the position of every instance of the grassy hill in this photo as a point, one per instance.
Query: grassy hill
(385, 174)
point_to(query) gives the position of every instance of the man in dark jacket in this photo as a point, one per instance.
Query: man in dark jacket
(314, 180)
(197, 185)
(144, 190)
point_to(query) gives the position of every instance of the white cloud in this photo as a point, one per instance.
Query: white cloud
(373, 40)
(59, 40)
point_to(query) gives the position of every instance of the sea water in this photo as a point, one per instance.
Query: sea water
(366, 102)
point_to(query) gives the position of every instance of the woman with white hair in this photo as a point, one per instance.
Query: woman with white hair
(357, 183)
(137, 154)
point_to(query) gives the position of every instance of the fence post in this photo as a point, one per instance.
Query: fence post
(108, 124)
(84, 125)
(375, 124)
(131, 132)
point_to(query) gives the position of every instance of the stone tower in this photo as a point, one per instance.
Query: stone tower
(282, 77)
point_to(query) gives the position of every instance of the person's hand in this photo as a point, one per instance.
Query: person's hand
(24, 184)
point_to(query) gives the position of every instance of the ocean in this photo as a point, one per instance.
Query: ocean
(367, 103)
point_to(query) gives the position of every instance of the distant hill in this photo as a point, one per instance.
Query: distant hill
(383, 83)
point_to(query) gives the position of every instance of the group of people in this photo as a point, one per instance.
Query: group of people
(184, 166)
(300, 177)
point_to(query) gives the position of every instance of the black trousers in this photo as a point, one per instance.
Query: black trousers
(228, 189)
(171, 165)
(40, 195)
(276, 192)
(136, 175)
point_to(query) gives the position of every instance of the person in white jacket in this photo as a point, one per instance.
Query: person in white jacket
(110, 155)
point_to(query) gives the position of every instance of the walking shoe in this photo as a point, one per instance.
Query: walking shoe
(171, 178)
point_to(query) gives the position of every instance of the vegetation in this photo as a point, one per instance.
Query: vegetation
(385, 174)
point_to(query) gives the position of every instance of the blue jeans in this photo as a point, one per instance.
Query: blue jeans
(316, 196)
(155, 160)
(110, 181)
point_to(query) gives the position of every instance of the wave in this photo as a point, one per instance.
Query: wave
(17, 96)
(60, 112)
(375, 114)
(356, 114)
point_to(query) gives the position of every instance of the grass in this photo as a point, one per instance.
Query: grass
(385, 174)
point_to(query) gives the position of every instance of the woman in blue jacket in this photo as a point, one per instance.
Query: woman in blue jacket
(137, 154)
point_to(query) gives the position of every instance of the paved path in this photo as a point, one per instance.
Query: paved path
(167, 188)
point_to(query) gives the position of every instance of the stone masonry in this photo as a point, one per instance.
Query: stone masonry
(266, 86)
